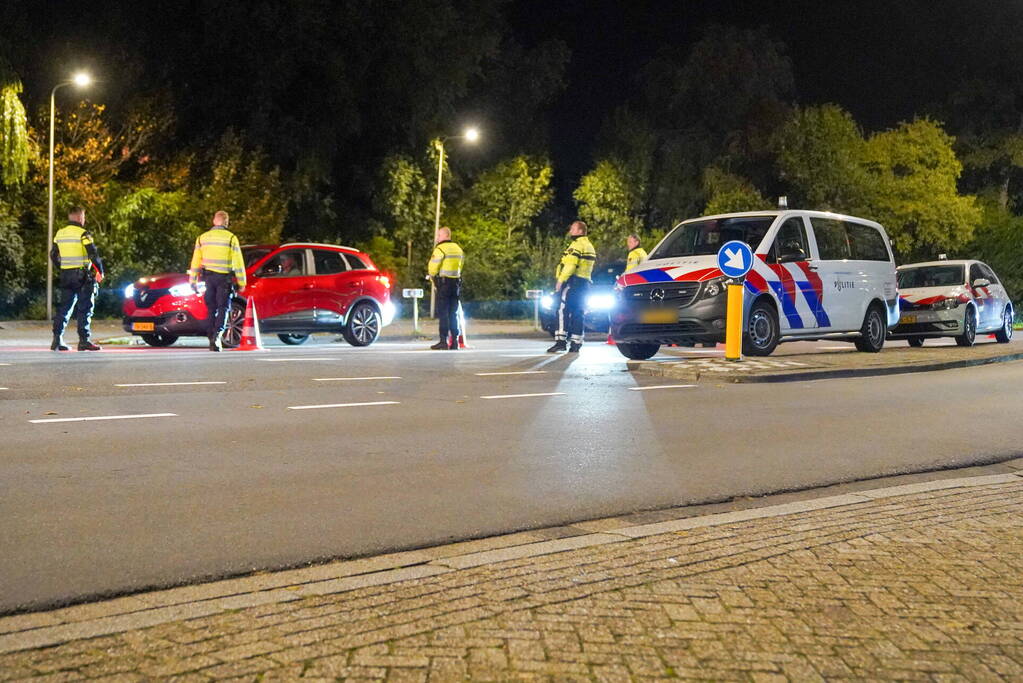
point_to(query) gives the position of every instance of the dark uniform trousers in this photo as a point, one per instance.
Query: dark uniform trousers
(449, 292)
(570, 311)
(78, 294)
(219, 287)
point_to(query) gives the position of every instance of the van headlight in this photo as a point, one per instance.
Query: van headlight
(713, 288)
(600, 302)
(129, 291)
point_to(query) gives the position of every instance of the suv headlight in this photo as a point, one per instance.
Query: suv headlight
(713, 288)
(181, 290)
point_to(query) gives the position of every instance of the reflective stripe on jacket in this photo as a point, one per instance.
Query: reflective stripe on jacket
(578, 259)
(635, 257)
(217, 250)
(446, 260)
(71, 242)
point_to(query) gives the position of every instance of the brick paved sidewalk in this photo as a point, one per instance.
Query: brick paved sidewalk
(925, 586)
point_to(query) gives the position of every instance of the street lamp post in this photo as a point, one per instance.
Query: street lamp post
(81, 80)
(470, 135)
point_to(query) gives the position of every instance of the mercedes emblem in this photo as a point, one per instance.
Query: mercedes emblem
(657, 294)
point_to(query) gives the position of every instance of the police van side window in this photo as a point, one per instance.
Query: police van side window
(865, 243)
(328, 262)
(832, 243)
(789, 243)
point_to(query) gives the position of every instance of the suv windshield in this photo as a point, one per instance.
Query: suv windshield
(931, 276)
(608, 274)
(253, 254)
(706, 237)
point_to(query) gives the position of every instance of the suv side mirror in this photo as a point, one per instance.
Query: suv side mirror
(272, 269)
(982, 282)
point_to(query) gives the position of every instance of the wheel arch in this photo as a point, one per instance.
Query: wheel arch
(365, 298)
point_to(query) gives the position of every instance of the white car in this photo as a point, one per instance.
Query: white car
(958, 299)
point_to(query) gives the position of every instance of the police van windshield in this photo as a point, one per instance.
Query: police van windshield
(253, 254)
(931, 276)
(706, 237)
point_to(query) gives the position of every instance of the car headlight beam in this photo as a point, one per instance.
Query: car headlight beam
(183, 289)
(129, 291)
(600, 302)
(547, 302)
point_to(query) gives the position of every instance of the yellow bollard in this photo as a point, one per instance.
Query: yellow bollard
(733, 323)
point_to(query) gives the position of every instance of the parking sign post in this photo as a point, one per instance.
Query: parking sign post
(415, 295)
(535, 295)
(735, 259)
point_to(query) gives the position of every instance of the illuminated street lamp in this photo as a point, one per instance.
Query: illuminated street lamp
(471, 134)
(79, 80)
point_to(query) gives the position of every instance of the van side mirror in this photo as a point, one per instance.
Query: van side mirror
(982, 282)
(792, 257)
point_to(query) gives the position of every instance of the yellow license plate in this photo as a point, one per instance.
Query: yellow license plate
(143, 327)
(907, 320)
(655, 317)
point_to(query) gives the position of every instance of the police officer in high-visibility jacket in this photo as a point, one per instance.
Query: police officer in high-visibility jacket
(81, 270)
(637, 254)
(217, 258)
(446, 270)
(573, 282)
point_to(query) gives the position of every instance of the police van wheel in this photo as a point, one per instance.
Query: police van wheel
(293, 339)
(159, 339)
(762, 333)
(873, 332)
(638, 351)
(363, 326)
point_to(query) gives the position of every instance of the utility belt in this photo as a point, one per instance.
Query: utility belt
(206, 272)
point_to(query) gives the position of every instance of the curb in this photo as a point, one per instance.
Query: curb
(144, 610)
(693, 373)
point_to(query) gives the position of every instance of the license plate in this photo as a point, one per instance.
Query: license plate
(661, 316)
(143, 327)
(907, 320)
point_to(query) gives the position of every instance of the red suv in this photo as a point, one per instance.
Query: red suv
(298, 289)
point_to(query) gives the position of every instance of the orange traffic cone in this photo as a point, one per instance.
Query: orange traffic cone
(610, 341)
(463, 338)
(250, 329)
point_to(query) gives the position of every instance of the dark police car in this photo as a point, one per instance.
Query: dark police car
(599, 301)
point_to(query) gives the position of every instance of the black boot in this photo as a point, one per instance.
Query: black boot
(58, 344)
(574, 347)
(87, 345)
(215, 344)
(439, 346)
(559, 346)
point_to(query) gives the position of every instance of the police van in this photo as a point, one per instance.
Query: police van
(816, 275)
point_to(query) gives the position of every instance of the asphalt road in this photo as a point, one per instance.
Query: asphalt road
(273, 459)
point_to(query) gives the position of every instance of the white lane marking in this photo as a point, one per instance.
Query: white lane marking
(835, 348)
(553, 393)
(102, 417)
(348, 379)
(345, 405)
(4, 363)
(289, 360)
(517, 372)
(662, 386)
(3, 389)
(526, 355)
(165, 384)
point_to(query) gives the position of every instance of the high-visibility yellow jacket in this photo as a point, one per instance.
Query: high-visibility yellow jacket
(635, 257)
(446, 260)
(73, 248)
(578, 259)
(217, 250)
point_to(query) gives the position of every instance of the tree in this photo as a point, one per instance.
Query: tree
(609, 204)
(821, 154)
(728, 193)
(407, 200)
(514, 192)
(997, 242)
(13, 129)
(914, 170)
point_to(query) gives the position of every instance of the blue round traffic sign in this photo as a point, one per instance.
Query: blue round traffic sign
(735, 258)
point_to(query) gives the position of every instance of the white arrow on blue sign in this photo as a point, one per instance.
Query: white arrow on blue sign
(735, 258)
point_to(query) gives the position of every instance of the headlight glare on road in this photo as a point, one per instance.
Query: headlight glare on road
(547, 302)
(600, 302)
(129, 291)
(181, 290)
